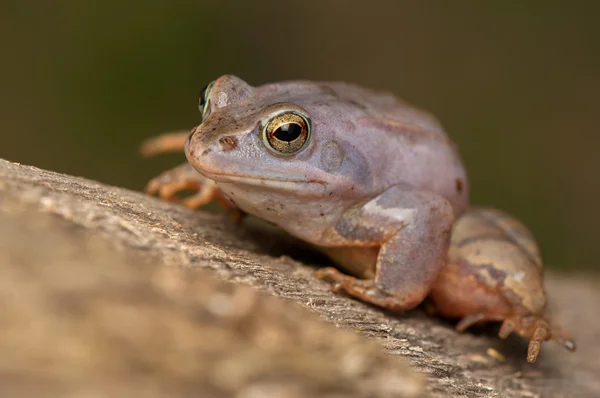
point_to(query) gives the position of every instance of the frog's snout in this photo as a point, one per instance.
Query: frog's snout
(186, 146)
(204, 153)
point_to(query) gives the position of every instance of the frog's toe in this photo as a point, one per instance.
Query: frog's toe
(203, 196)
(541, 333)
(468, 321)
(169, 142)
(169, 191)
(508, 326)
(568, 343)
(563, 338)
(333, 276)
(208, 192)
(330, 274)
(533, 328)
(183, 178)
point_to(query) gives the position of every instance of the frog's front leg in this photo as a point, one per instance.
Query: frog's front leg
(412, 229)
(170, 183)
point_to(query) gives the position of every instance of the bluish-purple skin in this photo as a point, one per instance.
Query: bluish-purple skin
(377, 185)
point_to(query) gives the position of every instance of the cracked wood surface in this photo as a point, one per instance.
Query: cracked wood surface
(453, 364)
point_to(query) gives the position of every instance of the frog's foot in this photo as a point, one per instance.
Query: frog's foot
(363, 289)
(537, 330)
(184, 178)
(168, 142)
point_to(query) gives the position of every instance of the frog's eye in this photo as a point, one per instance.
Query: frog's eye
(287, 133)
(204, 102)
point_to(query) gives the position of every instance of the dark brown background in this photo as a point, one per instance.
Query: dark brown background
(514, 84)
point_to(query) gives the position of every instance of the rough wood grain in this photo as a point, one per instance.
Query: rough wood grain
(146, 230)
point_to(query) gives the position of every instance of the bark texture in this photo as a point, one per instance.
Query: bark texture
(108, 292)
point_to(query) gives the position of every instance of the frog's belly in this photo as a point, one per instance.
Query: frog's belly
(357, 261)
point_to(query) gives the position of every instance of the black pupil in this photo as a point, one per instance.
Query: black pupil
(288, 132)
(203, 96)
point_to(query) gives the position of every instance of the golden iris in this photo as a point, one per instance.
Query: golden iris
(287, 133)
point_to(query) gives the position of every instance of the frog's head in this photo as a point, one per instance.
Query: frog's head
(264, 137)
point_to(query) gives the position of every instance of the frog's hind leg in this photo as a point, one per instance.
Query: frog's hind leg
(168, 142)
(185, 178)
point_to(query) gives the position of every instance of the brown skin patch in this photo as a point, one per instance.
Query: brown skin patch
(459, 185)
(228, 143)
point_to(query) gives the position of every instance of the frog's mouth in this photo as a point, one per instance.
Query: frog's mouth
(254, 180)
(310, 188)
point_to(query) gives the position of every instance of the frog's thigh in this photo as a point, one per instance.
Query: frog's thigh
(413, 228)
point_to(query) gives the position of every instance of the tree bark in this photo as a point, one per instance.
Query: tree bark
(109, 291)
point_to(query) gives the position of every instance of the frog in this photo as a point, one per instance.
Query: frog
(373, 182)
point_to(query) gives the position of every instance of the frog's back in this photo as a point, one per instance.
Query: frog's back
(407, 144)
(383, 105)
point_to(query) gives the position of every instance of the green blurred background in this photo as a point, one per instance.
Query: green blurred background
(514, 83)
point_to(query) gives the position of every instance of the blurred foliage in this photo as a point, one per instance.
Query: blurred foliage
(514, 83)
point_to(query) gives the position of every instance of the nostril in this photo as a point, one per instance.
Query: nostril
(228, 143)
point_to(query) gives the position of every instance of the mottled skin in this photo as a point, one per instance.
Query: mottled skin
(377, 185)
(495, 273)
